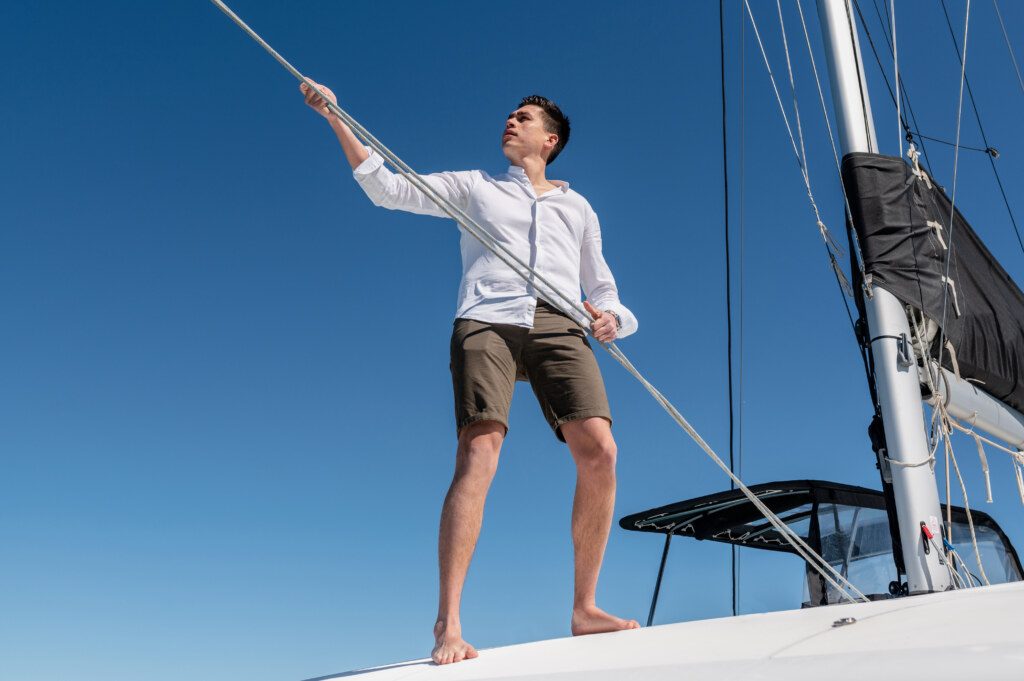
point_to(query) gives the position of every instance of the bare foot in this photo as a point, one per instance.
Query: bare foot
(594, 620)
(449, 646)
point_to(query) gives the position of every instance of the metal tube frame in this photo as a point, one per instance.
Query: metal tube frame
(661, 573)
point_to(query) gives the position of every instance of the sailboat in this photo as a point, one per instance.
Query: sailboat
(886, 591)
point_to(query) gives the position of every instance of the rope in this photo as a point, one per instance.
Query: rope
(801, 547)
(885, 77)
(825, 234)
(832, 142)
(856, 260)
(830, 244)
(1009, 48)
(977, 117)
(896, 76)
(952, 199)
(742, 235)
(951, 456)
(991, 151)
(728, 281)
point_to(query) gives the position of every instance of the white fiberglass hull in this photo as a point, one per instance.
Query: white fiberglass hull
(969, 634)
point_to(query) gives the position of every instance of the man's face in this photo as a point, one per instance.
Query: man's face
(524, 134)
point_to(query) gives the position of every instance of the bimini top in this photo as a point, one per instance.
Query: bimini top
(812, 508)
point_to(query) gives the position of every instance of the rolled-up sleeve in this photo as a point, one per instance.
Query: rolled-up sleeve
(391, 190)
(597, 280)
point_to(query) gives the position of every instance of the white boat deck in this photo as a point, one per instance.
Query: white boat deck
(964, 635)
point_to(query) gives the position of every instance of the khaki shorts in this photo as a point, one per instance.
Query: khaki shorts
(554, 356)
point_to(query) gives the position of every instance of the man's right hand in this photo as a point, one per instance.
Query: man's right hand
(354, 150)
(315, 101)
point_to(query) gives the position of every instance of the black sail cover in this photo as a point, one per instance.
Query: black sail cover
(892, 207)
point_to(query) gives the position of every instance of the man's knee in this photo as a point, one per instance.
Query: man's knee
(600, 454)
(479, 447)
(591, 442)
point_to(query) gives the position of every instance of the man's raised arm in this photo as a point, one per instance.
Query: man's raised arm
(387, 189)
(355, 152)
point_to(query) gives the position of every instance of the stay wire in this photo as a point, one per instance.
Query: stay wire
(831, 247)
(854, 249)
(952, 200)
(728, 277)
(1009, 47)
(896, 74)
(742, 261)
(991, 151)
(888, 85)
(843, 585)
(977, 117)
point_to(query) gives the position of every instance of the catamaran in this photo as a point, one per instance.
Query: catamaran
(886, 591)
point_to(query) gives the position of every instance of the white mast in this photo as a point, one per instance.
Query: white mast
(896, 374)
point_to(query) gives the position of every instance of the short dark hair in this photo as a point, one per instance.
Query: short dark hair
(554, 121)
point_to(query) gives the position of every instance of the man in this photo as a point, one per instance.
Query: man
(505, 330)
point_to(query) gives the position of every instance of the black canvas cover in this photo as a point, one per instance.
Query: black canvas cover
(891, 208)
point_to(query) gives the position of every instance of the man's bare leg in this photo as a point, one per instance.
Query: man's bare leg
(593, 449)
(476, 460)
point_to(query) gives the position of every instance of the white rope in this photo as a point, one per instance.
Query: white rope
(799, 149)
(835, 155)
(954, 576)
(930, 461)
(970, 577)
(951, 456)
(1014, 453)
(946, 431)
(1016, 456)
(984, 467)
(952, 200)
(829, 573)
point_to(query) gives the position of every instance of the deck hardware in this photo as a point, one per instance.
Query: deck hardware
(844, 622)
(904, 358)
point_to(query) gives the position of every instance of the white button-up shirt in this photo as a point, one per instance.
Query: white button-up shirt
(556, 233)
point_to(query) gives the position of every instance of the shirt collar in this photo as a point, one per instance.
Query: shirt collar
(517, 173)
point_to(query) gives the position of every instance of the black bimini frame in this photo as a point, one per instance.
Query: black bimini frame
(730, 518)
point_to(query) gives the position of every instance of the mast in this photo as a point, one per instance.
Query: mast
(896, 373)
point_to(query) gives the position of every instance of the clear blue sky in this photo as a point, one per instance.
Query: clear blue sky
(225, 410)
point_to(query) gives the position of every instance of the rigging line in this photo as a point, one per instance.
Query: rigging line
(831, 247)
(1009, 48)
(826, 236)
(822, 567)
(992, 443)
(739, 467)
(991, 151)
(828, 124)
(846, 199)
(896, 76)
(885, 78)
(977, 117)
(775, 87)
(728, 278)
(829, 243)
(889, 33)
(792, 92)
(952, 199)
(815, 561)
(967, 506)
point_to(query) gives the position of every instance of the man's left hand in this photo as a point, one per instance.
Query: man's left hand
(604, 326)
